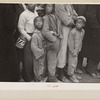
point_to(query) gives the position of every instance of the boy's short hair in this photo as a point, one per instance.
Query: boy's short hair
(36, 19)
(81, 17)
(53, 10)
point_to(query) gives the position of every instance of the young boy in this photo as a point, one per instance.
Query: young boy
(38, 48)
(75, 43)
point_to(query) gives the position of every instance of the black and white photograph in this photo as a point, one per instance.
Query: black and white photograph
(49, 43)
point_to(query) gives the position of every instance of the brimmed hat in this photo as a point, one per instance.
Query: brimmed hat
(81, 17)
(39, 8)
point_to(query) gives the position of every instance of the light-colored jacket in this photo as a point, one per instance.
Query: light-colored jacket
(66, 13)
(75, 40)
(38, 44)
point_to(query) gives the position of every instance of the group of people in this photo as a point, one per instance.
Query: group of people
(51, 41)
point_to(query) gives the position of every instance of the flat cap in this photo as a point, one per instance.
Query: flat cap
(81, 17)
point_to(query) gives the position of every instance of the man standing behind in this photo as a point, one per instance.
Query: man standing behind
(67, 15)
(91, 42)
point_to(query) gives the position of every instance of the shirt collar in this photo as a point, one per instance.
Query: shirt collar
(38, 33)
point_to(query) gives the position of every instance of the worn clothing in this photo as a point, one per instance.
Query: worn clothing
(39, 68)
(72, 63)
(52, 55)
(19, 9)
(62, 54)
(27, 71)
(66, 14)
(75, 45)
(81, 11)
(92, 66)
(38, 45)
(50, 26)
(75, 40)
(91, 42)
(25, 23)
(26, 28)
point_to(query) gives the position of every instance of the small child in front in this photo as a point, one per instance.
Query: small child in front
(38, 48)
(75, 44)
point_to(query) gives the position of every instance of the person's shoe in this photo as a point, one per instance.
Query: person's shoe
(74, 79)
(78, 71)
(58, 81)
(94, 75)
(53, 79)
(32, 81)
(78, 77)
(65, 80)
(44, 79)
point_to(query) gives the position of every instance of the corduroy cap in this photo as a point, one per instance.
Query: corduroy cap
(81, 17)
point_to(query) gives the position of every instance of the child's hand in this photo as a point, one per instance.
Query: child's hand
(45, 46)
(74, 53)
(74, 17)
(55, 34)
(28, 38)
(52, 32)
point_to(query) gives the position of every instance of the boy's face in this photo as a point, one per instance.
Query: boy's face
(39, 23)
(31, 6)
(49, 8)
(79, 24)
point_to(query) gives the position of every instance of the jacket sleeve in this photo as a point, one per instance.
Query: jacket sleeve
(83, 33)
(71, 42)
(77, 43)
(63, 15)
(91, 16)
(46, 31)
(35, 49)
(21, 26)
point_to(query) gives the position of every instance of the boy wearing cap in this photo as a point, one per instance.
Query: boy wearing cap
(75, 44)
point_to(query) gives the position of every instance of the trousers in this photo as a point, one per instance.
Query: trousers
(52, 55)
(92, 65)
(72, 63)
(27, 70)
(39, 68)
(62, 55)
